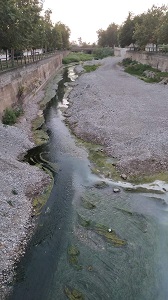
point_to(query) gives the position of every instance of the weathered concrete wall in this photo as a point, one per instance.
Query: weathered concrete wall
(16, 84)
(120, 52)
(155, 60)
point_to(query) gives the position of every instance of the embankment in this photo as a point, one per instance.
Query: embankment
(21, 82)
(155, 60)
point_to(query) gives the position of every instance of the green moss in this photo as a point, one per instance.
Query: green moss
(141, 189)
(83, 222)
(73, 256)
(40, 136)
(37, 122)
(73, 294)
(87, 204)
(100, 185)
(139, 179)
(101, 163)
(40, 201)
(109, 235)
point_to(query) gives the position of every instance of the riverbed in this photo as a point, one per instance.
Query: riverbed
(97, 238)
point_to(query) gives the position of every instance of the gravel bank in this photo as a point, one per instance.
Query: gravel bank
(19, 183)
(126, 115)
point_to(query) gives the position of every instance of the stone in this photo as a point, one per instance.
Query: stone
(123, 176)
(116, 190)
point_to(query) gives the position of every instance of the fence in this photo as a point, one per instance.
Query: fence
(6, 64)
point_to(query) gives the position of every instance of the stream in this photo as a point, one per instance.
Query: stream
(91, 243)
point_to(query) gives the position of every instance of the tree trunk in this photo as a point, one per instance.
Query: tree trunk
(12, 56)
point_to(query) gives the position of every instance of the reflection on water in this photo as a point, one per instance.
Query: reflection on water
(92, 243)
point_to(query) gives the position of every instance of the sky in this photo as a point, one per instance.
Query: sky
(86, 17)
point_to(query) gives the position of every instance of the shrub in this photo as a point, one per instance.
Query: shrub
(10, 115)
(138, 69)
(89, 68)
(77, 57)
(100, 53)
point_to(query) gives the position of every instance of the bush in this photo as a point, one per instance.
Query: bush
(100, 53)
(77, 57)
(138, 69)
(10, 115)
(90, 68)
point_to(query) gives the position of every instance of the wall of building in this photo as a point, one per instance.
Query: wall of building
(155, 60)
(19, 83)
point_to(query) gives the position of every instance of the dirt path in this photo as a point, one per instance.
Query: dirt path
(126, 115)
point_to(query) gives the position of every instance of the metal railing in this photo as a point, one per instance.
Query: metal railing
(18, 61)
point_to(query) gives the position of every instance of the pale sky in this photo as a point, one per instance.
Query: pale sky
(85, 17)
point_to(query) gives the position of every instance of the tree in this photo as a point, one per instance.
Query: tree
(126, 31)
(18, 20)
(101, 37)
(57, 37)
(163, 30)
(147, 31)
(108, 37)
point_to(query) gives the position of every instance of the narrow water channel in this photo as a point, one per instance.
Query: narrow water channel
(92, 243)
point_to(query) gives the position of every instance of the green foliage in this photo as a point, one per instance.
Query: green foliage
(147, 30)
(108, 37)
(126, 31)
(76, 57)
(10, 115)
(89, 68)
(138, 69)
(103, 52)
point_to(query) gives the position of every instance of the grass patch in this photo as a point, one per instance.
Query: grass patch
(77, 57)
(92, 68)
(135, 68)
(11, 115)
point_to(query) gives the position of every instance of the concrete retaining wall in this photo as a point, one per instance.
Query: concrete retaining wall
(16, 84)
(155, 60)
(120, 52)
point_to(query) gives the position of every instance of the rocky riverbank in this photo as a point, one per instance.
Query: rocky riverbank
(125, 115)
(19, 183)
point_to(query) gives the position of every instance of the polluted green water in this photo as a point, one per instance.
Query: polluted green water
(92, 243)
